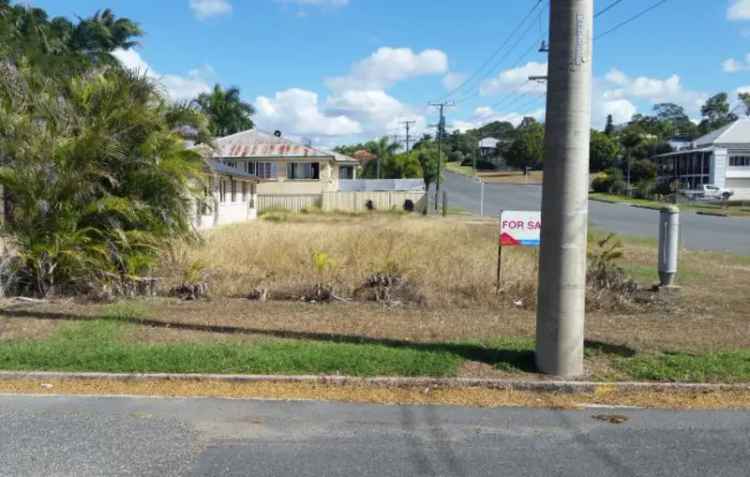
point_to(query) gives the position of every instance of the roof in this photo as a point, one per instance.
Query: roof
(363, 155)
(489, 143)
(219, 167)
(683, 152)
(258, 144)
(736, 133)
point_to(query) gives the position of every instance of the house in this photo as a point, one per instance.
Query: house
(488, 147)
(282, 166)
(720, 158)
(363, 156)
(229, 197)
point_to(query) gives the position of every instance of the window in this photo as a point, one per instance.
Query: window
(250, 167)
(739, 161)
(303, 170)
(265, 170)
(346, 172)
(230, 162)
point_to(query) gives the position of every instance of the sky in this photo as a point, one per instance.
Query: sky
(342, 71)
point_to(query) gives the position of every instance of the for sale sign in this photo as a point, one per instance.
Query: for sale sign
(520, 228)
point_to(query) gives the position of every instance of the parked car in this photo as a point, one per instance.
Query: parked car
(708, 192)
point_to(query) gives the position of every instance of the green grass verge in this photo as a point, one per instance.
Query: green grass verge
(459, 169)
(99, 346)
(725, 367)
(731, 211)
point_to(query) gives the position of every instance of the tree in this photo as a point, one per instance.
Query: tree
(676, 122)
(226, 112)
(745, 99)
(99, 183)
(716, 113)
(402, 166)
(604, 151)
(384, 149)
(58, 47)
(429, 160)
(528, 148)
(609, 129)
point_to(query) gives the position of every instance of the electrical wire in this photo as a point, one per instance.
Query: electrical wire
(494, 55)
(631, 19)
(607, 8)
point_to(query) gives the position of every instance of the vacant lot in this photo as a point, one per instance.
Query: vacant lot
(449, 322)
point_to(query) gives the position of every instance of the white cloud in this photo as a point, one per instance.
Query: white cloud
(453, 80)
(618, 85)
(743, 89)
(620, 109)
(739, 10)
(177, 87)
(297, 112)
(485, 115)
(203, 9)
(733, 66)
(377, 112)
(515, 79)
(387, 66)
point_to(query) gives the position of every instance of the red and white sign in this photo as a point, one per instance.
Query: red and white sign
(520, 228)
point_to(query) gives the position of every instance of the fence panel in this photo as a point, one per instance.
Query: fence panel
(294, 203)
(357, 201)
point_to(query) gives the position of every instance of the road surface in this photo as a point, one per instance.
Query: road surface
(55, 436)
(698, 232)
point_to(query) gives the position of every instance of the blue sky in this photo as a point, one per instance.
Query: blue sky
(336, 71)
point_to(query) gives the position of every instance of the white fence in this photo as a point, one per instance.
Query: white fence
(381, 185)
(357, 201)
(293, 202)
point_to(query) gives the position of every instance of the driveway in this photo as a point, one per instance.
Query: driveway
(41, 436)
(698, 232)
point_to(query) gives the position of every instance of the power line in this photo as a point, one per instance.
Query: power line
(495, 53)
(631, 19)
(608, 8)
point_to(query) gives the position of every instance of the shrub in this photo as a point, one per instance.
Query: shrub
(99, 181)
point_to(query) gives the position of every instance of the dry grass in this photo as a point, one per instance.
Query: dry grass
(512, 177)
(449, 262)
(468, 396)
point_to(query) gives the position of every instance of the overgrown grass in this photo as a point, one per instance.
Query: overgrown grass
(97, 346)
(451, 262)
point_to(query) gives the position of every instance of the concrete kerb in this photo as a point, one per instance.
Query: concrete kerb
(552, 386)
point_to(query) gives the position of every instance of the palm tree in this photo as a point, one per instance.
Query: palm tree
(99, 182)
(384, 150)
(226, 111)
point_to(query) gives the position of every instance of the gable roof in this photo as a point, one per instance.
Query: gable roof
(736, 133)
(258, 144)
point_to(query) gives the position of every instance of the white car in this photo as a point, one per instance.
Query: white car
(709, 192)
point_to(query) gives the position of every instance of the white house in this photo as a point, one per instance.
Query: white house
(720, 158)
(229, 197)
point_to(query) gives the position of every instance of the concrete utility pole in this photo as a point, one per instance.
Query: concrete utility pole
(408, 126)
(562, 268)
(440, 132)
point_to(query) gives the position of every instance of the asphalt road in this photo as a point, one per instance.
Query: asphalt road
(61, 436)
(698, 232)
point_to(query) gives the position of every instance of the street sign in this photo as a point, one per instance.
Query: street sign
(520, 228)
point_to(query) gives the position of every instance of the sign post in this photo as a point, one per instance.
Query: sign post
(481, 195)
(518, 228)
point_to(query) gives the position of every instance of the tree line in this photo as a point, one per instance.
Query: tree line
(618, 153)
